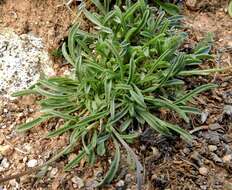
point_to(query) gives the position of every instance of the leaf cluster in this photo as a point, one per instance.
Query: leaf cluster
(124, 72)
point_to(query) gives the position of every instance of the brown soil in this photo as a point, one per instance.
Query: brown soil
(48, 19)
(169, 163)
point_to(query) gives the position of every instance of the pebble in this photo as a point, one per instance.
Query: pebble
(203, 170)
(186, 150)
(196, 157)
(5, 164)
(204, 116)
(5, 150)
(120, 184)
(25, 159)
(227, 158)
(128, 178)
(156, 153)
(14, 184)
(212, 137)
(215, 158)
(78, 181)
(228, 110)
(27, 147)
(212, 148)
(191, 4)
(32, 163)
(53, 172)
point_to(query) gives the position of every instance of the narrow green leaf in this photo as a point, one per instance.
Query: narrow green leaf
(32, 123)
(230, 8)
(169, 7)
(137, 98)
(194, 92)
(132, 68)
(24, 93)
(113, 167)
(73, 163)
(66, 55)
(99, 5)
(167, 104)
(101, 150)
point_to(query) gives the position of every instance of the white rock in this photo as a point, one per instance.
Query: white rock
(212, 148)
(32, 163)
(22, 60)
(14, 184)
(53, 172)
(5, 164)
(120, 183)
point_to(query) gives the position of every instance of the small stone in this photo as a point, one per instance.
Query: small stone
(5, 164)
(128, 178)
(186, 151)
(212, 137)
(121, 183)
(204, 116)
(197, 158)
(228, 110)
(5, 150)
(53, 172)
(78, 181)
(191, 4)
(27, 147)
(32, 163)
(227, 158)
(14, 184)
(156, 153)
(25, 159)
(215, 158)
(203, 171)
(212, 148)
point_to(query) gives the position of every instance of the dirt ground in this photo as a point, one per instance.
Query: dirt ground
(170, 164)
(48, 19)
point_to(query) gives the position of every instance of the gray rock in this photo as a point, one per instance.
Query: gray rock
(22, 60)
(212, 137)
(227, 97)
(215, 158)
